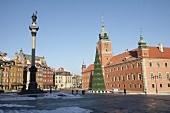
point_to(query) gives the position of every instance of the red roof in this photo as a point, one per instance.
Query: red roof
(90, 67)
(128, 56)
(154, 52)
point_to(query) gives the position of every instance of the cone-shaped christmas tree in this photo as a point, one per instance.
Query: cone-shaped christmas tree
(98, 81)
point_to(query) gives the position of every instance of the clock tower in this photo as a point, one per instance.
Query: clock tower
(104, 46)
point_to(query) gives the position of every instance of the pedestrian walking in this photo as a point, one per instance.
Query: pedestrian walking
(83, 92)
(125, 91)
(50, 89)
(72, 91)
(76, 91)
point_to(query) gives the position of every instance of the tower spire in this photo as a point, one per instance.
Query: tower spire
(141, 37)
(142, 42)
(102, 21)
(83, 65)
(103, 34)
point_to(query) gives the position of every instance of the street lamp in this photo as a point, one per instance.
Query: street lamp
(156, 77)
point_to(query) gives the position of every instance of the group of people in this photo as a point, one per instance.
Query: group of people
(83, 92)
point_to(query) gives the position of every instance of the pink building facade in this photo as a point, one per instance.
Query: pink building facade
(156, 74)
(143, 69)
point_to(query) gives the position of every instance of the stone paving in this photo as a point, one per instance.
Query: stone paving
(101, 103)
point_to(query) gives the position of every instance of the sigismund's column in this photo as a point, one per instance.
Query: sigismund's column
(33, 84)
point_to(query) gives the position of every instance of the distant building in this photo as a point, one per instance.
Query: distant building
(87, 75)
(65, 80)
(143, 69)
(12, 75)
(4, 56)
(40, 76)
(26, 59)
(44, 75)
(77, 81)
(48, 74)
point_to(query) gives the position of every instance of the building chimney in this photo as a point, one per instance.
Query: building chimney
(160, 47)
(126, 50)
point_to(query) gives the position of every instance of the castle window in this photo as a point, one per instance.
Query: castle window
(160, 75)
(114, 78)
(106, 50)
(105, 34)
(128, 77)
(122, 67)
(134, 85)
(168, 84)
(132, 65)
(127, 66)
(139, 76)
(138, 64)
(140, 85)
(118, 68)
(160, 85)
(123, 78)
(150, 64)
(158, 64)
(133, 76)
(167, 75)
(151, 75)
(153, 85)
(119, 78)
(166, 64)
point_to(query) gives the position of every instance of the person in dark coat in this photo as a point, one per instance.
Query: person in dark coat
(83, 92)
(125, 91)
(76, 91)
(72, 91)
(50, 89)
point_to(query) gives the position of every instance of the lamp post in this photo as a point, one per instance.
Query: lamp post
(156, 77)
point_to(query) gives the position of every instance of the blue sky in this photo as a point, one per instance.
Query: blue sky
(69, 29)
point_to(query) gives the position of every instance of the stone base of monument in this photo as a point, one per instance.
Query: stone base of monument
(31, 92)
(1, 91)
